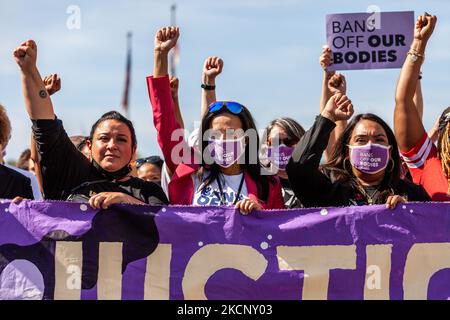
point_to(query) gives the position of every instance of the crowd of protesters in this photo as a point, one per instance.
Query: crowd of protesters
(225, 162)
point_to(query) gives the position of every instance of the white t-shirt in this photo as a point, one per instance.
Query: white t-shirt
(210, 196)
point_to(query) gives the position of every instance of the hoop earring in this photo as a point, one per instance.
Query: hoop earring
(393, 166)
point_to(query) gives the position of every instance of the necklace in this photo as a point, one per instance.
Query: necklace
(370, 197)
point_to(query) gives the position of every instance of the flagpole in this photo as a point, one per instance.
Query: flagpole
(173, 9)
(126, 93)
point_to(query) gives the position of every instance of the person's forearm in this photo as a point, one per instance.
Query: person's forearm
(326, 93)
(418, 99)
(409, 75)
(37, 100)
(178, 116)
(208, 96)
(161, 64)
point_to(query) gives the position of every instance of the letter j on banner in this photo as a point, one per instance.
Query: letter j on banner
(356, 42)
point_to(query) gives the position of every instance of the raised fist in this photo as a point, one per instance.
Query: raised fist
(212, 67)
(25, 55)
(166, 38)
(424, 27)
(52, 83)
(325, 59)
(339, 107)
(337, 84)
(174, 84)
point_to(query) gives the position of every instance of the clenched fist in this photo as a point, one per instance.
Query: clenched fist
(337, 84)
(212, 67)
(166, 38)
(174, 84)
(325, 59)
(52, 83)
(339, 107)
(25, 56)
(424, 27)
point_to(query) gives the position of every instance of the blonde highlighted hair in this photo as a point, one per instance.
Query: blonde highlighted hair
(443, 144)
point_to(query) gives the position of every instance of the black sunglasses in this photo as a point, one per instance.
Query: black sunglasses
(152, 160)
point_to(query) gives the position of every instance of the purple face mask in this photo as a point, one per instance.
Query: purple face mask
(370, 158)
(226, 152)
(280, 155)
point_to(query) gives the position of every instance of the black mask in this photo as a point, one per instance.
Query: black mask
(116, 175)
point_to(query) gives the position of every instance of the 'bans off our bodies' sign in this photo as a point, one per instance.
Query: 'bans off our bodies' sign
(377, 40)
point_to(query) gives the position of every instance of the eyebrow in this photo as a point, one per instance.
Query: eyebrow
(376, 136)
(108, 133)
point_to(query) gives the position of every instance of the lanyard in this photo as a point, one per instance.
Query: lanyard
(222, 195)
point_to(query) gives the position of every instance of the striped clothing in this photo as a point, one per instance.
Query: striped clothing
(426, 169)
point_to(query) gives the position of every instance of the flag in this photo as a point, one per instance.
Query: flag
(126, 92)
(175, 55)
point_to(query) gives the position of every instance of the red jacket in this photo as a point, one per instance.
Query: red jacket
(181, 186)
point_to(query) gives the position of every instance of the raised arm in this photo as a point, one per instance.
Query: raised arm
(52, 85)
(408, 125)
(418, 99)
(211, 69)
(37, 99)
(332, 83)
(174, 85)
(165, 39)
(159, 91)
(310, 185)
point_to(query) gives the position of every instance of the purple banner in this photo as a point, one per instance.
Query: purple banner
(58, 250)
(377, 40)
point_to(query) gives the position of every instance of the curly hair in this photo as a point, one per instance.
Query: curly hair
(5, 128)
(443, 143)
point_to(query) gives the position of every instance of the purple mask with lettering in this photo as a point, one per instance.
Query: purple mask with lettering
(226, 152)
(370, 158)
(280, 155)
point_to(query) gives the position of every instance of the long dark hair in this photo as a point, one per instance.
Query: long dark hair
(340, 166)
(253, 167)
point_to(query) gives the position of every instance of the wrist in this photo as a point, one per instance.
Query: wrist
(158, 52)
(327, 114)
(30, 71)
(210, 81)
(419, 45)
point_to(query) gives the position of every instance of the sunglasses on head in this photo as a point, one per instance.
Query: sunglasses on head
(152, 160)
(233, 107)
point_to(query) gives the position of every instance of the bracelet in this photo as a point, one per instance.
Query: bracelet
(208, 87)
(415, 55)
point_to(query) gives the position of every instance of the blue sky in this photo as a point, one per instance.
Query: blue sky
(270, 48)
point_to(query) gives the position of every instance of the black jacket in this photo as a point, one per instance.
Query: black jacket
(316, 187)
(66, 171)
(13, 184)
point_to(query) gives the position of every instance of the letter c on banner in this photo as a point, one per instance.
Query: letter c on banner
(214, 257)
(422, 262)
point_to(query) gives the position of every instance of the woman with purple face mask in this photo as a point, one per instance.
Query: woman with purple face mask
(282, 136)
(227, 172)
(364, 168)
